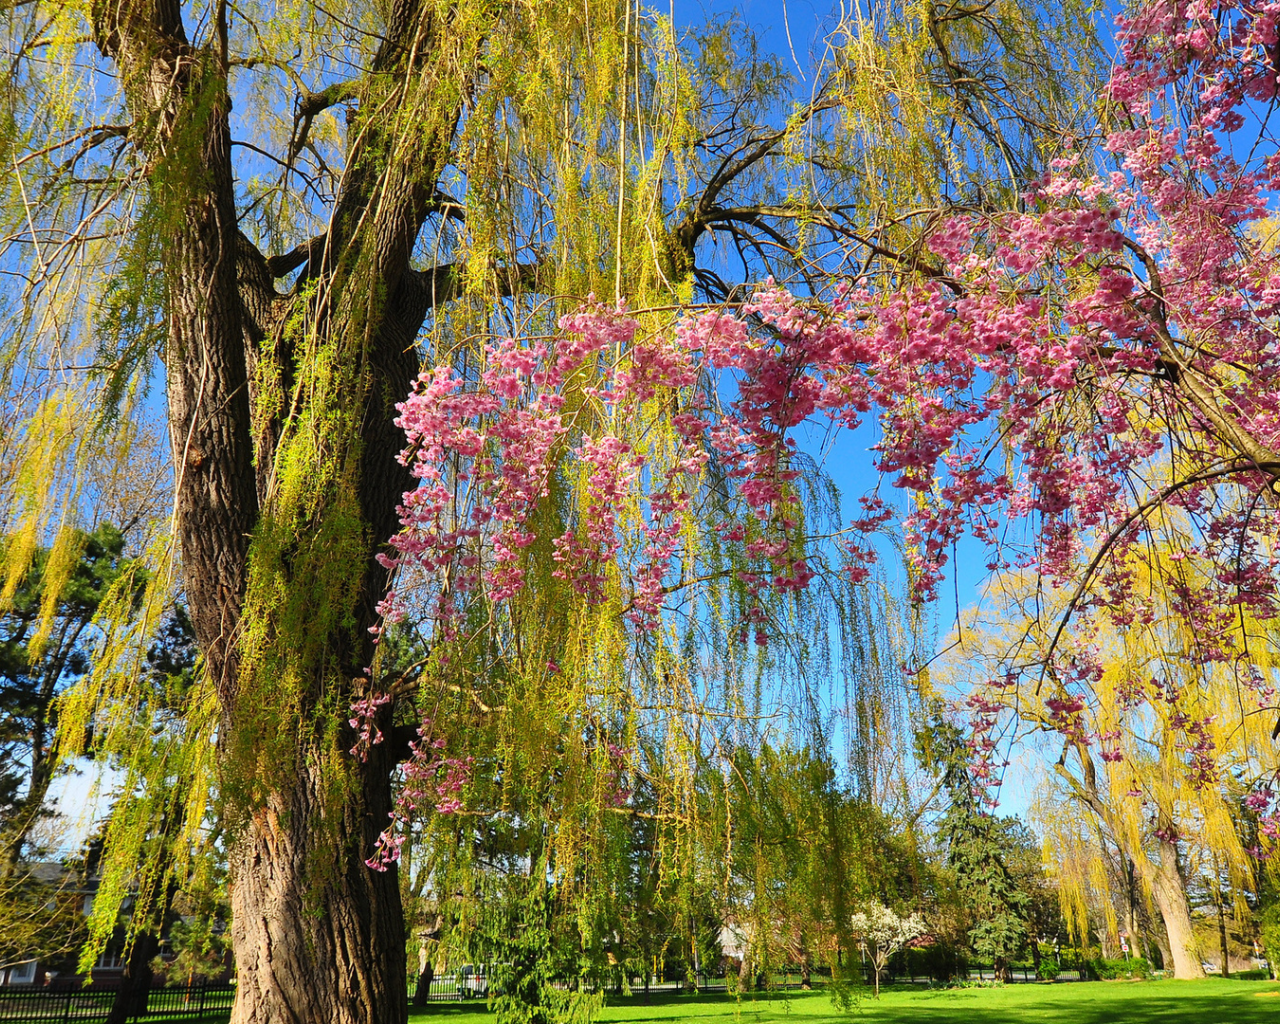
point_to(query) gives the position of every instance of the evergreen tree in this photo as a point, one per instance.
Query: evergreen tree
(47, 640)
(977, 845)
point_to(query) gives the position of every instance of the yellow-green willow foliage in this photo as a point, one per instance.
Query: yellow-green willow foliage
(1152, 759)
(1078, 858)
(267, 216)
(944, 103)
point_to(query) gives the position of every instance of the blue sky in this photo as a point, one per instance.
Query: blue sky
(771, 18)
(795, 30)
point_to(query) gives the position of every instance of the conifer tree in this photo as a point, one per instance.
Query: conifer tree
(977, 843)
(46, 643)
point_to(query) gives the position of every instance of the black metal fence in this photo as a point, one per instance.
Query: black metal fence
(450, 987)
(91, 1006)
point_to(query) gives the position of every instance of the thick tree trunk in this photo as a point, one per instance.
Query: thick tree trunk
(135, 981)
(1170, 896)
(422, 994)
(318, 935)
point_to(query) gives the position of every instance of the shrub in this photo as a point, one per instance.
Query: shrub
(1105, 969)
(938, 960)
(1048, 970)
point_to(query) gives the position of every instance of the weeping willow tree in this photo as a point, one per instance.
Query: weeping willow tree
(264, 217)
(1153, 764)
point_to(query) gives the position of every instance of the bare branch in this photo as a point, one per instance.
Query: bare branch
(308, 106)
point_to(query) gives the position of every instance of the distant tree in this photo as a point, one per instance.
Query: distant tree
(154, 875)
(42, 916)
(47, 640)
(978, 846)
(1162, 780)
(46, 643)
(803, 851)
(1024, 857)
(1263, 898)
(1269, 932)
(881, 932)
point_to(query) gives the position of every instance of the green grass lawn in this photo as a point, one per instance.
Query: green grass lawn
(1214, 1001)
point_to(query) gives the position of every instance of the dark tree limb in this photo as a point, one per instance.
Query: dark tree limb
(735, 163)
(308, 106)
(286, 263)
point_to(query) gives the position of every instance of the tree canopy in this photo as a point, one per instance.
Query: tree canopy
(591, 521)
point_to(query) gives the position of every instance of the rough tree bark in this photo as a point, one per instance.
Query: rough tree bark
(1162, 944)
(1223, 948)
(317, 935)
(324, 944)
(1220, 903)
(1132, 915)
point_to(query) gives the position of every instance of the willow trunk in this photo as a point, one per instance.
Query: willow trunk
(318, 936)
(1170, 894)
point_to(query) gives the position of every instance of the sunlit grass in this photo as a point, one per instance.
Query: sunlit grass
(1214, 1001)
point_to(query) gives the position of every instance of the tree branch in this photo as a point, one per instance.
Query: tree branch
(310, 104)
(421, 291)
(735, 163)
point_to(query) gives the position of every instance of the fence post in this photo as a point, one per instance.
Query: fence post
(66, 1016)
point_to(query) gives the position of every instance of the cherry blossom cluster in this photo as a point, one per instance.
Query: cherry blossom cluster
(486, 449)
(431, 780)
(985, 770)
(1060, 372)
(1263, 803)
(364, 712)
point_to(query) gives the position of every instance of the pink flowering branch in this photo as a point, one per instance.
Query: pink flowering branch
(1115, 336)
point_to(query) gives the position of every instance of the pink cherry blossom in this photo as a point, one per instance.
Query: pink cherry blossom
(1068, 372)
